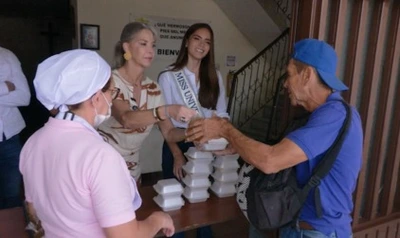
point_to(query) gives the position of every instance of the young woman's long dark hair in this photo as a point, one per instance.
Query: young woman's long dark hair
(209, 87)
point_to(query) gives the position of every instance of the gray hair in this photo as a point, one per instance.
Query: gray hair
(128, 33)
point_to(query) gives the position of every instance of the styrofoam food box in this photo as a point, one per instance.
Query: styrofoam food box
(215, 144)
(168, 187)
(226, 164)
(223, 189)
(196, 195)
(228, 157)
(226, 177)
(196, 182)
(170, 203)
(197, 169)
(200, 160)
(198, 154)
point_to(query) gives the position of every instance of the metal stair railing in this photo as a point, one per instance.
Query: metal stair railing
(283, 7)
(255, 85)
(275, 127)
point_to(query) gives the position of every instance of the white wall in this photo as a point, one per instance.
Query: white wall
(252, 20)
(113, 15)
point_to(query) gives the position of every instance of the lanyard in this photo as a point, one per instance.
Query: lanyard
(73, 117)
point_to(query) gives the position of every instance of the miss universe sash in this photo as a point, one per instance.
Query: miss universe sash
(186, 91)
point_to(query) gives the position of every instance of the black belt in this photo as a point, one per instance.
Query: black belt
(302, 225)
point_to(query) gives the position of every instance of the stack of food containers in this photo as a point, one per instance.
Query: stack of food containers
(197, 169)
(225, 175)
(169, 194)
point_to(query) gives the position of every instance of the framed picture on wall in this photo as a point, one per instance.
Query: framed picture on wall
(90, 36)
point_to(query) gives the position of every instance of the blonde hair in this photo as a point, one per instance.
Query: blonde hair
(128, 33)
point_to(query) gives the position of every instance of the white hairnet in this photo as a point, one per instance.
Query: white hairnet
(69, 78)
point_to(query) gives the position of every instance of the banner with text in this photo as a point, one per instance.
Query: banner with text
(170, 32)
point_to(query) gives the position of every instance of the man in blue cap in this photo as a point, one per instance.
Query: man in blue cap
(312, 84)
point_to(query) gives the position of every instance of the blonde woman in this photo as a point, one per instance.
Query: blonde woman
(140, 103)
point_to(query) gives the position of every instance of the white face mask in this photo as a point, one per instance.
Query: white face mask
(99, 118)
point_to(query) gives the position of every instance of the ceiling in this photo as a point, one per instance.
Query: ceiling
(35, 8)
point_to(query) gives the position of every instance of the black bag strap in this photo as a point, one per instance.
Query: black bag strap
(325, 165)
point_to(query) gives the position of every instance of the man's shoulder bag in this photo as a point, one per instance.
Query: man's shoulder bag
(275, 200)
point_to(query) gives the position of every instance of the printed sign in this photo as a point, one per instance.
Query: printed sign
(170, 32)
(231, 60)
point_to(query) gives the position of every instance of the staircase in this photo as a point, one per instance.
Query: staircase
(256, 99)
(252, 21)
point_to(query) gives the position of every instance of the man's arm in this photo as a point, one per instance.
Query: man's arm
(20, 96)
(269, 159)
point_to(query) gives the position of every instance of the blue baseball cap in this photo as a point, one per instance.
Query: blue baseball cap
(322, 57)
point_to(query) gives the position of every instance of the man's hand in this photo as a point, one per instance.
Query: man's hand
(203, 130)
(228, 151)
(179, 161)
(10, 86)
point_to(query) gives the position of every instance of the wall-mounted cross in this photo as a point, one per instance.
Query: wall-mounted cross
(51, 34)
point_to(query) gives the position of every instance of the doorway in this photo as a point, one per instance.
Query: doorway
(34, 30)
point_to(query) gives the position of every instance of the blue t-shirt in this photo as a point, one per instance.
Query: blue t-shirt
(337, 187)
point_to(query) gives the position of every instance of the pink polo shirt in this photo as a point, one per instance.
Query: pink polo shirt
(77, 182)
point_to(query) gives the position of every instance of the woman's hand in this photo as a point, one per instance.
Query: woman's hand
(180, 113)
(179, 161)
(167, 226)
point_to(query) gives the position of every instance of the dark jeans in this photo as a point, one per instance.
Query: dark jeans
(168, 172)
(10, 177)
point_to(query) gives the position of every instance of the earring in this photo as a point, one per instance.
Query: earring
(127, 56)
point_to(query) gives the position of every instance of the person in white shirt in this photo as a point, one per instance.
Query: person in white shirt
(192, 81)
(14, 92)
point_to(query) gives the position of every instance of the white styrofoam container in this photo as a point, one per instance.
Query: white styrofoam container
(228, 157)
(214, 144)
(198, 154)
(168, 187)
(198, 169)
(195, 195)
(226, 164)
(199, 160)
(223, 189)
(196, 182)
(226, 177)
(170, 203)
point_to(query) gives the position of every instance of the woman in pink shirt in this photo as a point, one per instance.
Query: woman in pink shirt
(76, 184)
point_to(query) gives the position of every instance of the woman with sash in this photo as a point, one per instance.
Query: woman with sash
(192, 81)
(76, 184)
(140, 103)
